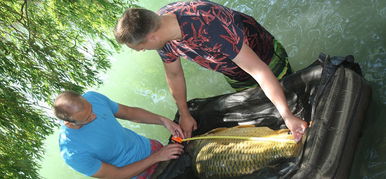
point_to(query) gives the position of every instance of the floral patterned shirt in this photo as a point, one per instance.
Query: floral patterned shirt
(212, 36)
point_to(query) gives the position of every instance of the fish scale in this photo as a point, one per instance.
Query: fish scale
(217, 158)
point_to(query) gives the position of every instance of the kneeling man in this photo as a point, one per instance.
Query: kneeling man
(94, 143)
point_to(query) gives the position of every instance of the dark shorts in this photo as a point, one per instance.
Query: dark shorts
(279, 66)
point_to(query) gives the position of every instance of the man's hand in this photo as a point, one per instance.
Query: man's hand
(171, 151)
(188, 125)
(174, 128)
(296, 126)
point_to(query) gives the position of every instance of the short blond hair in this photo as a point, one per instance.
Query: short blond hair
(135, 24)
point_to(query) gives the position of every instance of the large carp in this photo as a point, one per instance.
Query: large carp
(240, 150)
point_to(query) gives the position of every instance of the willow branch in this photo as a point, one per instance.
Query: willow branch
(27, 18)
(21, 10)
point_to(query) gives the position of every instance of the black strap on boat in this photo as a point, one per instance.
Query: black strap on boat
(330, 65)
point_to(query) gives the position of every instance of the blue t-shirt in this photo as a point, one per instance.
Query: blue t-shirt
(102, 140)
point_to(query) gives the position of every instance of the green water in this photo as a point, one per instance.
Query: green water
(305, 28)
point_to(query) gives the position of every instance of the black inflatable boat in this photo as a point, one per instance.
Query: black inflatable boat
(330, 94)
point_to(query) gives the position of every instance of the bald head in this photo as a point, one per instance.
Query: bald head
(67, 104)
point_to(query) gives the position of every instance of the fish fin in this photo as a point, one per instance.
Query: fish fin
(282, 131)
(245, 126)
(217, 130)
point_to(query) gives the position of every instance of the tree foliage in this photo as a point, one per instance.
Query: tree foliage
(46, 46)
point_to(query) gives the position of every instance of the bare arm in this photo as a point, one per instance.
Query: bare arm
(177, 86)
(166, 153)
(252, 64)
(142, 116)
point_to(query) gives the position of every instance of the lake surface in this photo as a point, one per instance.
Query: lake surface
(305, 28)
